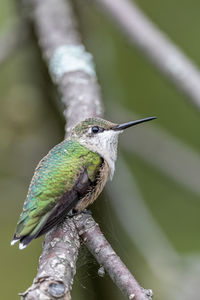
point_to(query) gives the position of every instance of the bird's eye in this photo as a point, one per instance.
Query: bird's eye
(95, 129)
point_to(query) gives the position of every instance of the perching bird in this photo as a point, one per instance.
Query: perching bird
(70, 177)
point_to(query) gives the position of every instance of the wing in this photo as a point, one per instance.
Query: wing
(67, 202)
(60, 180)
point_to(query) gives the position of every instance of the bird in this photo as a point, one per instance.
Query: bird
(70, 177)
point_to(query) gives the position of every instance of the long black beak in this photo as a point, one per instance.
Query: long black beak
(131, 123)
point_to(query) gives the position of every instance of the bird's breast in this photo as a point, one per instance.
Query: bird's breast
(95, 190)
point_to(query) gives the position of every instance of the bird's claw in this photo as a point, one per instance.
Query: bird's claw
(73, 212)
(87, 212)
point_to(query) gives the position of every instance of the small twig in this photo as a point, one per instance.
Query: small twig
(72, 70)
(156, 46)
(97, 244)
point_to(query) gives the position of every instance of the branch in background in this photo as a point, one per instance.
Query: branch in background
(141, 226)
(171, 269)
(178, 275)
(168, 154)
(175, 272)
(158, 48)
(11, 39)
(72, 69)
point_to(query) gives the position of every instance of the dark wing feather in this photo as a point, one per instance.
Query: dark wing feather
(67, 202)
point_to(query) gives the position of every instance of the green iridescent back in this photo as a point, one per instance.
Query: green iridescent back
(55, 175)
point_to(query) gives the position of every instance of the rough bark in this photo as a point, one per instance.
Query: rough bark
(57, 265)
(56, 27)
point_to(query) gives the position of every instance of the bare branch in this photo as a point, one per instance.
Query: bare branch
(57, 265)
(72, 69)
(97, 244)
(156, 46)
(56, 28)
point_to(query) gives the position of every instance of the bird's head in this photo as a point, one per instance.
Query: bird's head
(101, 136)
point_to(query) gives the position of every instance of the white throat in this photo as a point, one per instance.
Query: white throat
(105, 144)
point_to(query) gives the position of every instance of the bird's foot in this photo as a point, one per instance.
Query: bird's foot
(73, 212)
(87, 212)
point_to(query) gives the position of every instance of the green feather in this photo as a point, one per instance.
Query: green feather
(55, 175)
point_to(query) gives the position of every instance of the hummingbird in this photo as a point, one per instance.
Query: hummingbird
(70, 177)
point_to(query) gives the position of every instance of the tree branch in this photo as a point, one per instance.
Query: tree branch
(72, 69)
(156, 46)
(57, 265)
(97, 244)
(60, 41)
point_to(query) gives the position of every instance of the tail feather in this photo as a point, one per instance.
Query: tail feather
(24, 241)
(27, 238)
(14, 240)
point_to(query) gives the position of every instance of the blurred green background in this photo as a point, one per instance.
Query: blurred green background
(162, 247)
